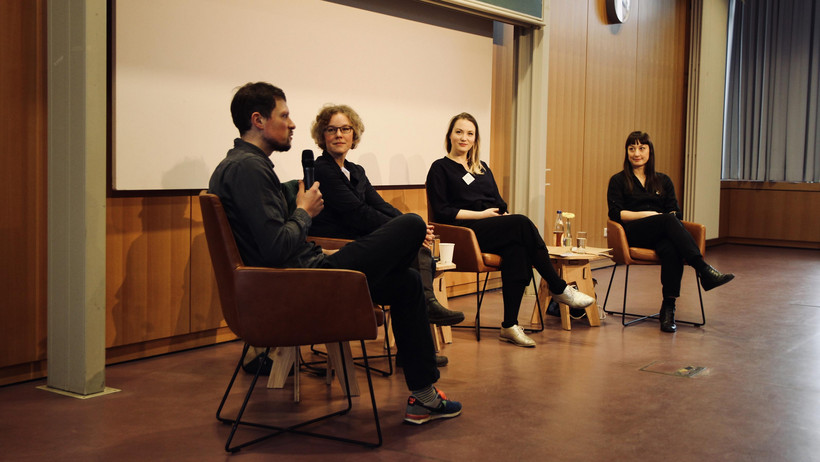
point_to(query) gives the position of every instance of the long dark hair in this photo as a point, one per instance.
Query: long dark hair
(653, 183)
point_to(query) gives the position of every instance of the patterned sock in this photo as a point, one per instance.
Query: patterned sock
(428, 396)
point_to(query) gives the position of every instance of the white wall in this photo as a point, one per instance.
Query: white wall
(406, 68)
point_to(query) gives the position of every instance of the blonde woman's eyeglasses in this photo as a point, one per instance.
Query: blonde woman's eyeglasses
(346, 130)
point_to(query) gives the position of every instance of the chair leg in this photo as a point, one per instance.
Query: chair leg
(479, 299)
(235, 423)
(387, 341)
(641, 317)
(538, 307)
(608, 288)
(339, 356)
(389, 355)
(356, 360)
(479, 295)
(700, 296)
(702, 312)
(624, 314)
(283, 359)
(372, 397)
(230, 385)
(389, 351)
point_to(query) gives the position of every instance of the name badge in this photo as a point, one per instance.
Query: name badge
(468, 178)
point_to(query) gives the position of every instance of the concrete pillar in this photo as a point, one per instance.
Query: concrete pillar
(76, 195)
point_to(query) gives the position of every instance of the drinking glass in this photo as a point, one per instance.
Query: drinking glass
(582, 239)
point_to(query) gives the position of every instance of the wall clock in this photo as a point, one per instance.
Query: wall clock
(617, 11)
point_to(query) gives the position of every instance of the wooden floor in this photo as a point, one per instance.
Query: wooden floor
(606, 393)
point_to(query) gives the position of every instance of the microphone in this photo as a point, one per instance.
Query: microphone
(307, 166)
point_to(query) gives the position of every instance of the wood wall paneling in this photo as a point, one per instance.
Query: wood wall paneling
(609, 111)
(771, 213)
(606, 81)
(408, 200)
(23, 227)
(147, 255)
(206, 310)
(665, 86)
(566, 111)
(501, 125)
(165, 345)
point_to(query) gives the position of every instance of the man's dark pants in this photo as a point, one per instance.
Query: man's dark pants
(385, 257)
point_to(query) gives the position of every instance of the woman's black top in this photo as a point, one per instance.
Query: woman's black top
(451, 188)
(619, 197)
(353, 208)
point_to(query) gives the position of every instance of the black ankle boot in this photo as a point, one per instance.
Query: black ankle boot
(441, 316)
(711, 278)
(667, 317)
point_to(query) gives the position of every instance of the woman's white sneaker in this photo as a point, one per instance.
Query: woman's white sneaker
(516, 336)
(573, 298)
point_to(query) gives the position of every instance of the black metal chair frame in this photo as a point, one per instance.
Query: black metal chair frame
(479, 294)
(357, 360)
(642, 317)
(295, 428)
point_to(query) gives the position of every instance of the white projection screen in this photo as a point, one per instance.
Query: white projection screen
(406, 67)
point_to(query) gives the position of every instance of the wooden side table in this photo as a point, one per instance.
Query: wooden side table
(285, 358)
(574, 268)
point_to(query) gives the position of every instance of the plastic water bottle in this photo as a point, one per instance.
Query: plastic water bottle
(558, 230)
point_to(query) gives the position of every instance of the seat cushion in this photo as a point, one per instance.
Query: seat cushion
(644, 256)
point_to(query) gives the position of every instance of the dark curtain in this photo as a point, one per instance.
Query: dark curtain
(772, 110)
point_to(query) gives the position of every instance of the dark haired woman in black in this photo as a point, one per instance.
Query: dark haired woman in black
(643, 201)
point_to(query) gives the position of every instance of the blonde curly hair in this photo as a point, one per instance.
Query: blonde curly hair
(317, 130)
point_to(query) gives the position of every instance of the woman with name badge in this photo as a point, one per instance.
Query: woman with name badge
(462, 192)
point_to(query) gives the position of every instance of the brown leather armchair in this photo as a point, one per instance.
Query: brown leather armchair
(331, 243)
(270, 307)
(469, 258)
(625, 255)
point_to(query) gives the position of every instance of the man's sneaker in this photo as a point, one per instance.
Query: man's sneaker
(439, 315)
(418, 413)
(516, 336)
(573, 298)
